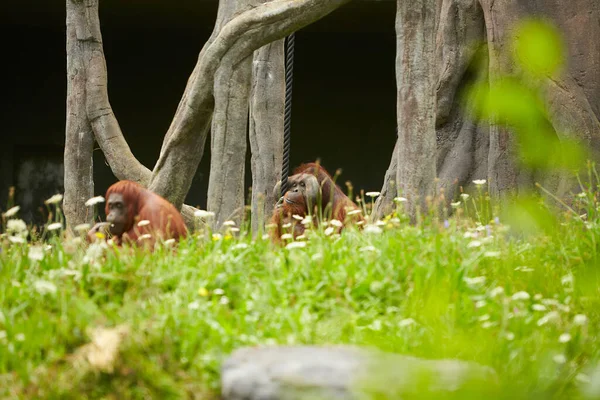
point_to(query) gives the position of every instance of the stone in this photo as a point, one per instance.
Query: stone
(345, 372)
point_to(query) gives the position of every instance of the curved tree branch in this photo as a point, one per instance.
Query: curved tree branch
(184, 142)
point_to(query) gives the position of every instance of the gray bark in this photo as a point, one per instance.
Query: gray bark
(184, 142)
(79, 137)
(228, 134)
(468, 148)
(415, 77)
(266, 129)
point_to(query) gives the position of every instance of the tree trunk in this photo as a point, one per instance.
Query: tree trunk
(228, 134)
(468, 148)
(415, 77)
(79, 137)
(266, 129)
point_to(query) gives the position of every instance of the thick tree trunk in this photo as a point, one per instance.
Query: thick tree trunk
(79, 137)
(469, 149)
(415, 77)
(266, 129)
(228, 134)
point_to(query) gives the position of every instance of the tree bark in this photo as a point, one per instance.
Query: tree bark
(228, 134)
(415, 77)
(184, 142)
(79, 137)
(266, 129)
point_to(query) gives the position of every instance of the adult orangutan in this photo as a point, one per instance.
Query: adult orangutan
(313, 192)
(135, 213)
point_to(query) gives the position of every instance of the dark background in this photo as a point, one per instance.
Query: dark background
(343, 105)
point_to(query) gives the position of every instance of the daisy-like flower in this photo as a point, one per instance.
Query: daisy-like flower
(82, 227)
(94, 200)
(580, 319)
(373, 229)
(521, 296)
(12, 211)
(564, 338)
(538, 307)
(44, 287)
(373, 194)
(354, 212)
(287, 236)
(329, 231)
(307, 220)
(560, 359)
(400, 199)
(203, 214)
(57, 198)
(496, 291)
(143, 222)
(406, 322)
(145, 237)
(368, 248)
(217, 236)
(456, 204)
(297, 217)
(474, 243)
(295, 245)
(336, 223)
(288, 225)
(54, 226)
(474, 281)
(169, 242)
(16, 226)
(35, 253)
(464, 196)
(229, 223)
(17, 239)
(479, 182)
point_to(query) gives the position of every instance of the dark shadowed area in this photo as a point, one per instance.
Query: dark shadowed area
(343, 105)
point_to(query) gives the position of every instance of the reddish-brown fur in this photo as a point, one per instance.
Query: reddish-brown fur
(142, 204)
(334, 203)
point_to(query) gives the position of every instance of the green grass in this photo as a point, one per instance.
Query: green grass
(434, 290)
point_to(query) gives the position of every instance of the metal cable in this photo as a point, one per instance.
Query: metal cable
(287, 116)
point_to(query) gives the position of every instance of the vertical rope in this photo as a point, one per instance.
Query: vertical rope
(287, 116)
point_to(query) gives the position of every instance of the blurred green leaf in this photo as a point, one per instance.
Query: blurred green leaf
(538, 47)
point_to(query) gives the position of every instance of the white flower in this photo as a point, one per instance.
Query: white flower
(219, 292)
(354, 212)
(583, 378)
(286, 236)
(336, 223)
(560, 359)
(20, 337)
(455, 205)
(44, 287)
(538, 297)
(474, 281)
(12, 211)
(54, 226)
(373, 194)
(94, 200)
(538, 307)
(224, 300)
(329, 231)
(480, 304)
(509, 336)
(564, 338)
(479, 182)
(521, 296)
(464, 196)
(194, 305)
(82, 227)
(265, 237)
(307, 220)
(295, 245)
(217, 236)
(36, 253)
(234, 230)
(380, 223)
(552, 315)
(288, 225)
(169, 242)
(203, 214)
(301, 237)
(474, 243)
(582, 194)
(143, 222)
(16, 226)
(484, 317)
(57, 198)
(487, 324)
(229, 223)
(373, 229)
(240, 246)
(368, 248)
(580, 319)
(145, 237)
(297, 217)
(496, 291)
(406, 322)
(492, 254)
(566, 280)
(400, 199)
(17, 239)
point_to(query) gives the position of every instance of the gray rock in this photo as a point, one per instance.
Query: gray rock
(345, 372)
